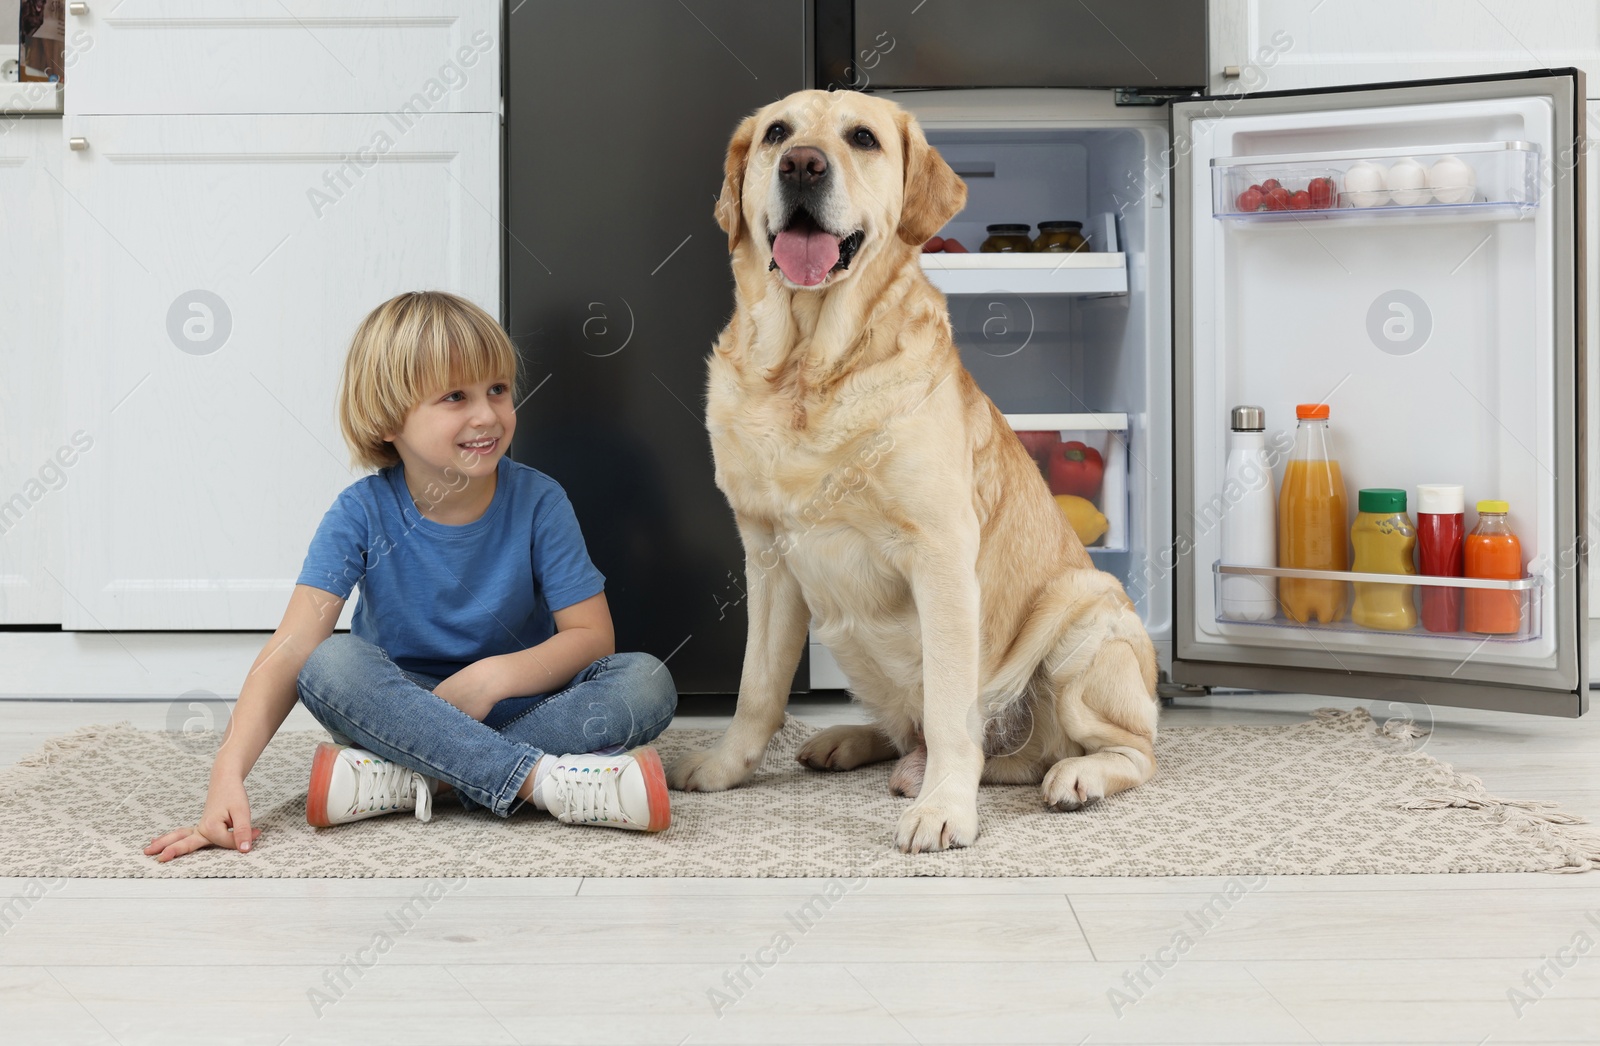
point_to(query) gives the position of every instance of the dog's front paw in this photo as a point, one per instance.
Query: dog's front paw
(931, 825)
(844, 748)
(1073, 784)
(907, 777)
(711, 770)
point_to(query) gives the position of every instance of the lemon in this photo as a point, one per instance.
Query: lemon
(1086, 520)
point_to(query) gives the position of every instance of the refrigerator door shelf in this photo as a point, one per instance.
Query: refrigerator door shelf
(1478, 180)
(1107, 434)
(1083, 272)
(1526, 591)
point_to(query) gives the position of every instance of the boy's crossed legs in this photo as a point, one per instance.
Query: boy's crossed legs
(408, 741)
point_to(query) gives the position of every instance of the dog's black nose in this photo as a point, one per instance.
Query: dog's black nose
(803, 165)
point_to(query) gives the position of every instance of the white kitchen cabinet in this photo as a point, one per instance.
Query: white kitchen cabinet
(217, 267)
(38, 453)
(284, 56)
(1336, 42)
(245, 180)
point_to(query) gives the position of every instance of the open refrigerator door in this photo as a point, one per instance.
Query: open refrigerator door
(1405, 261)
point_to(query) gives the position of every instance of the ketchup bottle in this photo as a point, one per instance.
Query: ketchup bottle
(1441, 533)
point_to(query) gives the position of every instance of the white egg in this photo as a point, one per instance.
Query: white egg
(1452, 181)
(1364, 185)
(1408, 183)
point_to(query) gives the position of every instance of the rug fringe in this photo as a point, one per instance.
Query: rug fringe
(1567, 837)
(55, 749)
(1564, 835)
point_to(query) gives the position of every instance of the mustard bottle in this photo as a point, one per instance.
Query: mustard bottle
(1384, 540)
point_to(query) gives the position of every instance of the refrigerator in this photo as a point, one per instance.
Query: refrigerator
(1445, 337)
(1443, 330)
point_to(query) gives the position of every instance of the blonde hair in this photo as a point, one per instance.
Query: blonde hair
(410, 346)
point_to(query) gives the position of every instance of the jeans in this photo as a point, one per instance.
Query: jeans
(363, 698)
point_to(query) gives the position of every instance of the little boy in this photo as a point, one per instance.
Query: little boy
(482, 643)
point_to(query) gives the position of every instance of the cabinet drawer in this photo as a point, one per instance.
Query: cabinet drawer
(262, 56)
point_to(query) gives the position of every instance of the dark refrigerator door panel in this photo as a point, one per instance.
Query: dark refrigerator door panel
(617, 121)
(882, 44)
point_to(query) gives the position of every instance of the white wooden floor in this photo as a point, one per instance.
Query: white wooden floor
(1325, 959)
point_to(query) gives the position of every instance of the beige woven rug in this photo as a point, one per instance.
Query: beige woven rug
(1330, 795)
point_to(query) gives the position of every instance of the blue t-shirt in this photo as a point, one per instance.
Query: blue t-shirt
(436, 597)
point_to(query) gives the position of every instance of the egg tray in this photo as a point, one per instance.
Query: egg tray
(1498, 177)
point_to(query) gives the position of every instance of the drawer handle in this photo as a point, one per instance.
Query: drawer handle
(77, 145)
(78, 9)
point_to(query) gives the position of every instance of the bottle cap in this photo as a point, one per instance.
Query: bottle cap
(1312, 411)
(1387, 500)
(1249, 419)
(1440, 499)
(1492, 506)
(1008, 228)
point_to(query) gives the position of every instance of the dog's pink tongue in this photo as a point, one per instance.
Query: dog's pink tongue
(806, 257)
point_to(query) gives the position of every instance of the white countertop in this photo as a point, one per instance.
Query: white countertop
(29, 98)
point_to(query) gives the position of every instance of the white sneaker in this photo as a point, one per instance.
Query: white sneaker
(622, 791)
(349, 784)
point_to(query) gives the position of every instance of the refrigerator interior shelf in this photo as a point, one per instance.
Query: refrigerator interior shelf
(1478, 179)
(1082, 272)
(1522, 584)
(1525, 591)
(1045, 437)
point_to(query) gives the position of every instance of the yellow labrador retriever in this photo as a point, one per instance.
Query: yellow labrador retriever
(877, 489)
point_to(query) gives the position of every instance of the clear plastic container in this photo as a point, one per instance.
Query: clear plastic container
(1100, 511)
(1493, 176)
(1528, 591)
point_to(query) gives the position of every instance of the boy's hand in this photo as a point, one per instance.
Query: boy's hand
(225, 822)
(475, 689)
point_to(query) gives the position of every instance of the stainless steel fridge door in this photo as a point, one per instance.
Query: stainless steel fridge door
(1502, 329)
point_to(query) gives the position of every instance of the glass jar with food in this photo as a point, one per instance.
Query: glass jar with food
(1060, 238)
(1005, 239)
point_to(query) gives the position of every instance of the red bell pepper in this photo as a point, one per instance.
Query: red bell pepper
(1076, 469)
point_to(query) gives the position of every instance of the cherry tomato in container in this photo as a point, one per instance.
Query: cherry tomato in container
(1251, 199)
(1321, 192)
(1300, 201)
(1271, 184)
(1277, 199)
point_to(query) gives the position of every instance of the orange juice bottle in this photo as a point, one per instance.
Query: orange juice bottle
(1493, 551)
(1311, 522)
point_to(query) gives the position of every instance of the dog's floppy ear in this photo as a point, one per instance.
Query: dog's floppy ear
(730, 205)
(933, 192)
